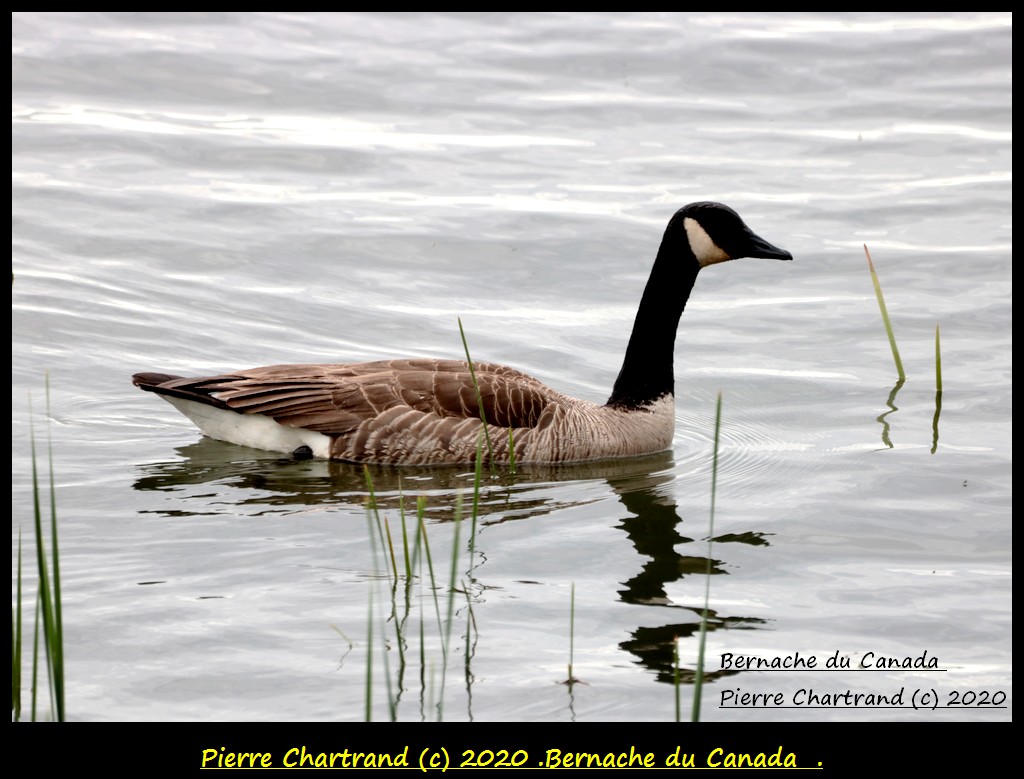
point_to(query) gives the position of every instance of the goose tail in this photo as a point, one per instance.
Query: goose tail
(150, 381)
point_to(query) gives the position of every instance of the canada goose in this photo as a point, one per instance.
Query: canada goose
(425, 411)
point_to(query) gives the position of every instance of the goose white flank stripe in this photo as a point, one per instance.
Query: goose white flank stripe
(424, 411)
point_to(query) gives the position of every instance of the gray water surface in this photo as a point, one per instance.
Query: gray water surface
(193, 193)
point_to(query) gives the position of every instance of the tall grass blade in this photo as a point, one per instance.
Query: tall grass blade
(36, 643)
(400, 624)
(16, 617)
(49, 594)
(511, 453)
(452, 578)
(414, 562)
(407, 558)
(698, 679)
(375, 513)
(572, 632)
(405, 536)
(56, 646)
(430, 570)
(391, 550)
(423, 659)
(938, 392)
(477, 478)
(479, 397)
(885, 316)
(399, 637)
(420, 510)
(388, 550)
(368, 714)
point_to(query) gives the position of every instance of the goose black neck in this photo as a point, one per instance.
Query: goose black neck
(647, 369)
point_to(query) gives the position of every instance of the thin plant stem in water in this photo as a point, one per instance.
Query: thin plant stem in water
(698, 679)
(938, 392)
(885, 316)
(375, 512)
(572, 629)
(405, 536)
(572, 634)
(477, 478)
(368, 714)
(35, 661)
(48, 612)
(16, 646)
(430, 570)
(56, 644)
(446, 638)
(423, 654)
(372, 516)
(391, 549)
(511, 453)
(388, 549)
(479, 397)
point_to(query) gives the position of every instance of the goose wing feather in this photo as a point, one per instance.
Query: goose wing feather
(337, 399)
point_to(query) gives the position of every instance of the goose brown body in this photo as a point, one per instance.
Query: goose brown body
(418, 412)
(424, 411)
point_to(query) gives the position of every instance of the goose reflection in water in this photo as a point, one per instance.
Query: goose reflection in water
(267, 485)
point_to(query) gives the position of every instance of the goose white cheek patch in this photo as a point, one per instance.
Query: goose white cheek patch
(704, 249)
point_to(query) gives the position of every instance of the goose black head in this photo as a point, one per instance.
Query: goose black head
(716, 233)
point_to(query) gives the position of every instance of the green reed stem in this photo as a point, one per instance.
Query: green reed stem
(511, 453)
(572, 631)
(479, 397)
(405, 536)
(16, 618)
(373, 511)
(58, 649)
(477, 477)
(938, 393)
(48, 598)
(368, 713)
(430, 568)
(698, 679)
(885, 316)
(36, 643)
